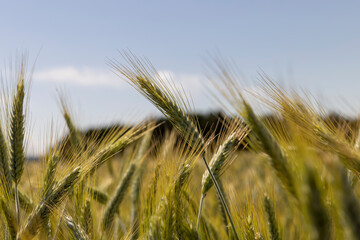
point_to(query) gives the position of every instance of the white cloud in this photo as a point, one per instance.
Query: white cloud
(94, 77)
(191, 83)
(79, 76)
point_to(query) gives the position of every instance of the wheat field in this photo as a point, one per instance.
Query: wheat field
(294, 177)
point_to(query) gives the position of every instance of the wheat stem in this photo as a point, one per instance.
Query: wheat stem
(199, 214)
(222, 199)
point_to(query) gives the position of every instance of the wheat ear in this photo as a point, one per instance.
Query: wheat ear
(10, 220)
(52, 200)
(351, 205)
(59, 223)
(145, 79)
(108, 151)
(273, 227)
(135, 208)
(49, 178)
(114, 203)
(17, 141)
(76, 230)
(98, 195)
(75, 137)
(217, 164)
(136, 185)
(316, 207)
(87, 219)
(25, 202)
(5, 174)
(271, 147)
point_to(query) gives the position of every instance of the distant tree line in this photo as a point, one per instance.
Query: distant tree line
(210, 124)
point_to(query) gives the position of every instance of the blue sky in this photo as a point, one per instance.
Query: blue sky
(309, 44)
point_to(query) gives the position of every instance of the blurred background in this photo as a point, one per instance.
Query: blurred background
(312, 45)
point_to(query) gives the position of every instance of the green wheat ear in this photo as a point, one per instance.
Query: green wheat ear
(49, 178)
(317, 208)
(98, 195)
(135, 208)
(271, 148)
(273, 225)
(119, 195)
(5, 173)
(17, 134)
